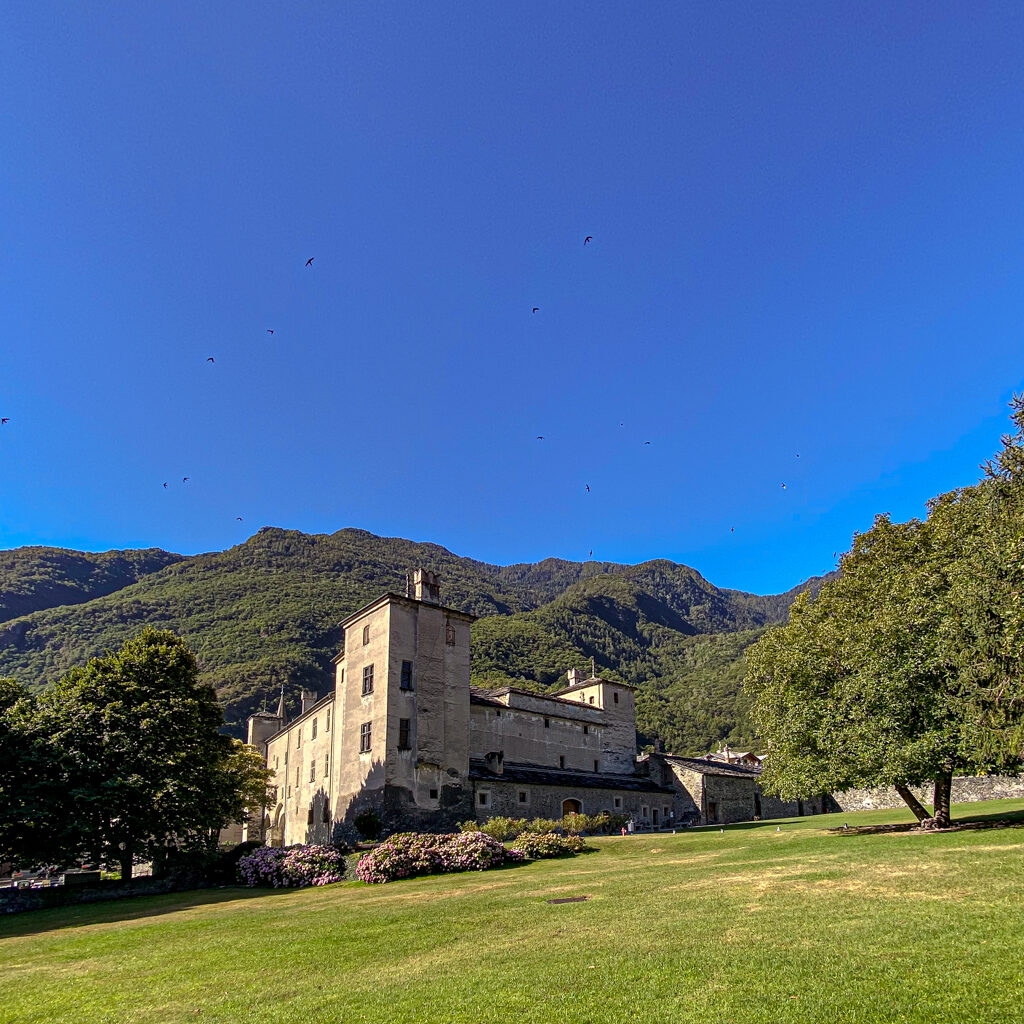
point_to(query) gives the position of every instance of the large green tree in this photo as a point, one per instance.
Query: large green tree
(134, 739)
(907, 667)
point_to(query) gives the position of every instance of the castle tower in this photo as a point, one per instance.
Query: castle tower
(618, 754)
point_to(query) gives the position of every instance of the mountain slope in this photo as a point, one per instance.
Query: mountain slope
(266, 612)
(36, 578)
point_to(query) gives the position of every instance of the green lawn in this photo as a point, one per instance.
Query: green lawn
(749, 925)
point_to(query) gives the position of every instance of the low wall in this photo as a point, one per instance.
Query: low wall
(13, 901)
(966, 789)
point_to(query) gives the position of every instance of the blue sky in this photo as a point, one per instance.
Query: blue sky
(808, 237)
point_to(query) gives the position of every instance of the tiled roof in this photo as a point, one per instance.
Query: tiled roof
(536, 775)
(708, 767)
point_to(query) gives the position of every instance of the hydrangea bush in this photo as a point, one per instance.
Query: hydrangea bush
(415, 853)
(295, 867)
(539, 845)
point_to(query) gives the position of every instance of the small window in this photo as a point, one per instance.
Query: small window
(561, 760)
(367, 679)
(547, 723)
(366, 635)
(522, 796)
(289, 792)
(591, 700)
(364, 737)
(327, 721)
(286, 757)
(327, 763)
(403, 734)
(312, 771)
(449, 635)
(643, 811)
(664, 811)
(341, 678)
(312, 735)
(406, 683)
(296, 776)
(298, 736)
(615, 697)
(325, 817)
(276, 764)
(497, 714)
(309, 816)
(618, 801)
(586, 730)
(433, 794)
(483, 799)
(597, 766)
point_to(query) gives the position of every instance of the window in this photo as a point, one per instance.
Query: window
(276, 764)
(312, 771)
(449, 635)
(289, 792)
(586, 730)
(497, 714)
(433, 794)
(406, 683)
(364, 737)
(327, 721)
(325, 817)
(483, 799)
(367, 679)
(618, 801)
(712, 811)
(341, 678)
(615, 697)
(312, 735)
(561, 760)
(522, 796)
(366, 635)
(327, 762)
(547, 723)
(591, 700)
(286, 756)
(643, 811)
(296, 775)
(403, 734)
(597, 767)
(309, 816)
(298, 736)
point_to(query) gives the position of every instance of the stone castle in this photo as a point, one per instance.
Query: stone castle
(405, 734)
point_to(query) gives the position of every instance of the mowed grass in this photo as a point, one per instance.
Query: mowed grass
(748, 925)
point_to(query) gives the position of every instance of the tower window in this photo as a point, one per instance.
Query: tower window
(406, 683)
(615, 697)
(327, 762)
(309, 816)
(367, 679)
(296, 775)
(327, 721)
(547, 723)
(618, 801)
(597, 766)
(561, 760)
(522, 796)
(312, 771)
(433, 794)
(586, 730)
(403, 734)
(298, 736)
(312, 735)
(591, 700)
(365, 737)
(449, 634)
(483, 799)
(366, 635)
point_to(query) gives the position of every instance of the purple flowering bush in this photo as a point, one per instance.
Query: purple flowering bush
(415, 853)
(295, 867)
(537, 846)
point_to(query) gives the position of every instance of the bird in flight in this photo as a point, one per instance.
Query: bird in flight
(309, 262)
(6, 419)
(536, 309)
(647, 442)
(184, 479)
(798, 455)
(587, 487)
(783, 486)
(588, 239)
(540, 437)
(591, 552)
(239, 518)
(269, 331)
(732, 529)
(210, 359)
(165, 485)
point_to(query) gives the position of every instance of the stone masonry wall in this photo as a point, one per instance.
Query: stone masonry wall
(966, 789)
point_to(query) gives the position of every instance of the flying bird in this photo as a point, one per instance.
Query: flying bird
(587, 487)
(540, 437)
(6, 419)
(165, 485)
(588, 239)
(184, 479)
(798, 455)
(591, 553)
(536, 309)
(309, 262)
(210, 359)
(783, 486)
(732, 529)
(647, 442)
(239, 518)
(269, 331)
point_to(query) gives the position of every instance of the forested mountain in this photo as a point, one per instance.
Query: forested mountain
(265, 613)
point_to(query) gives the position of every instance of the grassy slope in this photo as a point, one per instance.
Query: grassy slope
(750, 925)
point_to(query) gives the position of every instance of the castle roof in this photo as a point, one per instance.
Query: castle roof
(536, 775)
(705, 766)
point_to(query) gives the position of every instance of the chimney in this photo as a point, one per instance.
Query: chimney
(308, 700)
(426, 586)
(496, 761)
(575, 678)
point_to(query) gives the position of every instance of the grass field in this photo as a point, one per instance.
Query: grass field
(749, 925)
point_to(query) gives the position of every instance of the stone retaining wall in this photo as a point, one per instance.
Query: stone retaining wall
(966, 789)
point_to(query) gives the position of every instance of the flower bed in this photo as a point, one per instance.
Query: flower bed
(295, 867)
(539, 845)
(413, 853)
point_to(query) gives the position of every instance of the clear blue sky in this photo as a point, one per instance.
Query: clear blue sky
(808, 237)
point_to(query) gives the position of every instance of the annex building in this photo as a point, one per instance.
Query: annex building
(404, 733)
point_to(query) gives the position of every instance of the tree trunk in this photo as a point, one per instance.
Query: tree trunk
(127, 860)
(943, 785)
(911, 801)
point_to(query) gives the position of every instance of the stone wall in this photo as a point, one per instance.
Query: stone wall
(546, 801)
(966, 789)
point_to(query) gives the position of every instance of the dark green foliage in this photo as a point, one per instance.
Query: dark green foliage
(35, 578)
(368, 824)
(266, 613)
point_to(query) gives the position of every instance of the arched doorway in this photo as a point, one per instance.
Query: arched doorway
(571, 807)
(277, 828)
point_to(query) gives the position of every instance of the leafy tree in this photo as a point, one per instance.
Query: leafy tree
(906, 667)
(135, 740)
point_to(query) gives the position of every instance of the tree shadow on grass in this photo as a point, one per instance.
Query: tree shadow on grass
(130, 908)
(971, 822)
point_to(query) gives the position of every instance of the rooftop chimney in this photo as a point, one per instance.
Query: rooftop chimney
(308, 700)
(496, 761)
(426, 586)
(575, 678)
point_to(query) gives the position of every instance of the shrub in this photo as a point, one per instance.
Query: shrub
(574, 824)
(541, 826)
(539, 845)
(368, 824)
(502, 829)
(295, 867)
(414, 853)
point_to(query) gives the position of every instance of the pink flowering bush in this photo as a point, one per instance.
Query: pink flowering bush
(539, 845)
(414, 853)
(295, 867)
